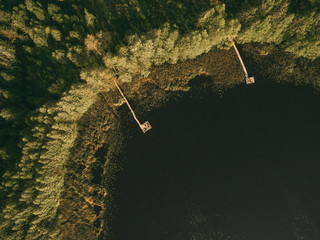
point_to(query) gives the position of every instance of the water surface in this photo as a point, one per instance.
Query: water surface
(241, 166)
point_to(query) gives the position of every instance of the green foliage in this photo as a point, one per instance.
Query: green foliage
(266, 22)
(303, 38)
(7, 54)
(36, 9)
(89, 18)
(55, 13)
(166, 45)
(41, 169)
(123, 18)
(43, 92)
(29, 73)
(292, 23)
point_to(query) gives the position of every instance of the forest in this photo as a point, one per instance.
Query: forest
(56, 57)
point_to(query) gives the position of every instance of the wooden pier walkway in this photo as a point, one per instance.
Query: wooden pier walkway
(249, 80)
(145, 126)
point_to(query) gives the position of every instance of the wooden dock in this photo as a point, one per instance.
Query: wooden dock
(145, 126)
(249, 80)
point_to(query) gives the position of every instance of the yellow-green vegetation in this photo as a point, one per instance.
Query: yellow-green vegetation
(40, 172)
(56, 58)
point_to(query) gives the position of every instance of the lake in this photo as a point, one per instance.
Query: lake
(241, 166)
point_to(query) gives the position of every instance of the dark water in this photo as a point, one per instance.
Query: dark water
(244, 166)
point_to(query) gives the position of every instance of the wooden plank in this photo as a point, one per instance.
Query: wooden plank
(145, 126)
(134, 115)
(250, 80)
(243, 66)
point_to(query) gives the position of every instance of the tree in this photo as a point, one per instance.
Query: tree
(265, 23)
(36, 9)
(7, 54)
(302, 38)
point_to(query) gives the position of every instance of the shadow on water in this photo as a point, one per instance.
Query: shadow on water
(241, 166)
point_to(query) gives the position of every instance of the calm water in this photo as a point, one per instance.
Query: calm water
(244, 166)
